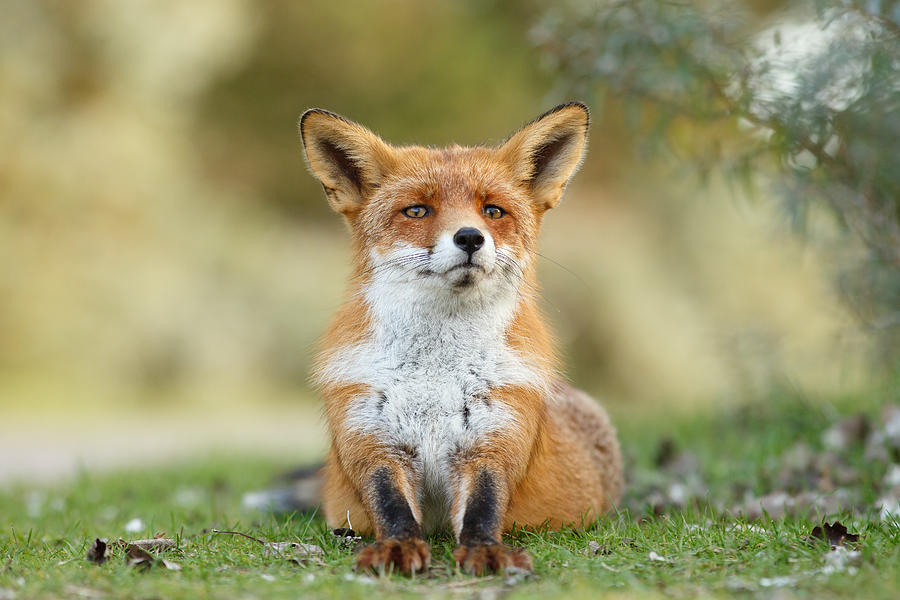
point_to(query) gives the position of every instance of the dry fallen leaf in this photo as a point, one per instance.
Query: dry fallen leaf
(835, 534)
(98, 553)
(135, 556)
(295, 551)
(137, 553)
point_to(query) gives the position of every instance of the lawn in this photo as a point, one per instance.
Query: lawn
(687, 528)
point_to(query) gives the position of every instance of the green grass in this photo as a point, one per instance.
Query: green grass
(47, 530)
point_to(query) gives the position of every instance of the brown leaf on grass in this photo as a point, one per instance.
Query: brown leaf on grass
(137, 553)
(137, 557)
(98, 553)
(835, 534)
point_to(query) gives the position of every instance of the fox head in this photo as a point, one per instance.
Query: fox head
(454, 222)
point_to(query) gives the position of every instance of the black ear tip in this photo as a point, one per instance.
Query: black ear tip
(575, 104)
(566, 106)
(309, 112)
(318, 111)
(306, 114)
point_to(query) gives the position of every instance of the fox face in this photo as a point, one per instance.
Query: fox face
(458, 224)
(447, 221)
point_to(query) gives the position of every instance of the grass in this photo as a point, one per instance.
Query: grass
(697, 552)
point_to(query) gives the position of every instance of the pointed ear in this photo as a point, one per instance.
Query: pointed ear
(545, 153)
(348, 160)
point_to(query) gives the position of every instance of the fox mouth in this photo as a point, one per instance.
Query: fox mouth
(467, 266)
(464, 275)
(449, 272)
(464, 267)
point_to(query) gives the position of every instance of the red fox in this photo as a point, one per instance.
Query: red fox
(442, 395)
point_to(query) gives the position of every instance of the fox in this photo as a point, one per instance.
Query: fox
(444, 398)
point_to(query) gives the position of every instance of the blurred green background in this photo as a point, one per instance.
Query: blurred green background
(167, 263)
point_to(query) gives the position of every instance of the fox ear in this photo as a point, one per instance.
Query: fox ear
(348, 160)
(545, 153)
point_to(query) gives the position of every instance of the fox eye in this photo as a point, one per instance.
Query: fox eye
(415, 212)
(493, 212)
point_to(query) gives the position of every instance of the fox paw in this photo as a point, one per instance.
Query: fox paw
(480, 559)
(405, 556)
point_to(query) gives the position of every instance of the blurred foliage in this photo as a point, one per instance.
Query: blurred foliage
(800, 99)
(162, 242)
(442, 71)
(158, 228)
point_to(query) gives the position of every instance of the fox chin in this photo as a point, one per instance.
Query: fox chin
(443, 395)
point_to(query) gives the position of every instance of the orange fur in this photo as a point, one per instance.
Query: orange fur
(558, 463)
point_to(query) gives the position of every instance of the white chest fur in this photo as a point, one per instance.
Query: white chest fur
(431, 365)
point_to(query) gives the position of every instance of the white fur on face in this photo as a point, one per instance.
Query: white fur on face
(444, 270)
(449, 261)
(436, 353)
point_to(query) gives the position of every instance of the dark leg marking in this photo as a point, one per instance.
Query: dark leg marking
(466, 416)
(382, 400)
(481, 519)
(400, 545)
(480, 550)
(392, 509)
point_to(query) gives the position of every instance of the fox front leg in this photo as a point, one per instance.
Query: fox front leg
(399, 544)
(480, 504)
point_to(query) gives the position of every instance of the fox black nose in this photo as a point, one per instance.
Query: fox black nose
(468, 239)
